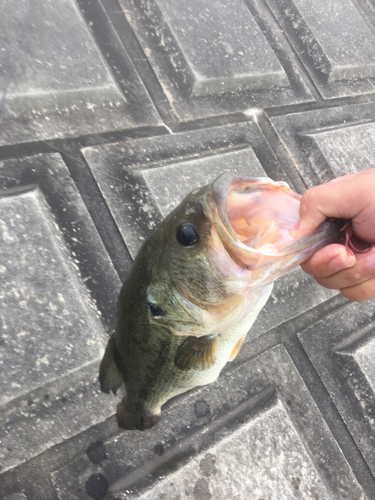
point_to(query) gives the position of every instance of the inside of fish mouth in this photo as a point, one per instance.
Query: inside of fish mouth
(262, 215)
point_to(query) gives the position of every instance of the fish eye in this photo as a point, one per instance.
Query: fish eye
(186, 234)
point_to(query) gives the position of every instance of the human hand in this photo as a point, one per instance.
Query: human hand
(348, 197)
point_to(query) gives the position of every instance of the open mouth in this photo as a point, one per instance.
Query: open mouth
(253, 219)
(262, 215)
(259, 212)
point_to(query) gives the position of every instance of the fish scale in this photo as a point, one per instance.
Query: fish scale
(195, 290)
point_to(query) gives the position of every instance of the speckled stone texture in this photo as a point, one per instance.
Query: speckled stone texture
(344, 360)
(334, 41)
(110, 113)
(51, 330)
(54, 82)
(209, 61)
(254, 424)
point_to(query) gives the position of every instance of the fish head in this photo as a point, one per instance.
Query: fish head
(183, 282)
(222, 244)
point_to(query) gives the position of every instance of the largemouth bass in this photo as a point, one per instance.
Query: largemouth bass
(197, 286)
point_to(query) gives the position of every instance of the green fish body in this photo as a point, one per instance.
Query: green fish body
(197, 286)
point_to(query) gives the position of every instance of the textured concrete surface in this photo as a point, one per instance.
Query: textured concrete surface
(110, 112)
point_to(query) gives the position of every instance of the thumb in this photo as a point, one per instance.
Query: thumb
(335, 199)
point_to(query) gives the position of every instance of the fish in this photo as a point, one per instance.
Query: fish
(196, 287)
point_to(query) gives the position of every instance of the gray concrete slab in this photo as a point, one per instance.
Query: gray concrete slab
(334, 42)
(256, 422)
(203, 67)
(110, 113)
(54, 80)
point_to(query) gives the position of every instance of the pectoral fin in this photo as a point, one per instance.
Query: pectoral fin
(110, 377)
(196, 353)
(236, 349)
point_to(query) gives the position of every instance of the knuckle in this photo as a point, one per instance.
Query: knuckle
(307, 268)
(308, 200)
(317, 266)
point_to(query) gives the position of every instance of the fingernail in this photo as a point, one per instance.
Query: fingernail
(371, 259)
(294, 231)
(337, 263)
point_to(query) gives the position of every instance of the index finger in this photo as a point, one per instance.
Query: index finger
(328, 261)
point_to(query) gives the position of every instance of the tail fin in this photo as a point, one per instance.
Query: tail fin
(110, 377)
(132, 421)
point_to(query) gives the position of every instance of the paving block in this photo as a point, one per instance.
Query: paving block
(54, 82)
(328, 143)
(52, 328)
(254, 433)
(342, 350)
(334, 42)
(212, 59)
(143, 180)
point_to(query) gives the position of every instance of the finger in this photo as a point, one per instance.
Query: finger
(328, 261)
(361, 272)
(336, 199)
(342, 178)
(361, 292)
(345, 197)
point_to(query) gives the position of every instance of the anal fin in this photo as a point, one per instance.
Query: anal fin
(196, 353)
(110, 377)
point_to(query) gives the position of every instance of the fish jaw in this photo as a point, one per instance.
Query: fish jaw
(174, 322)
(253, 219)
